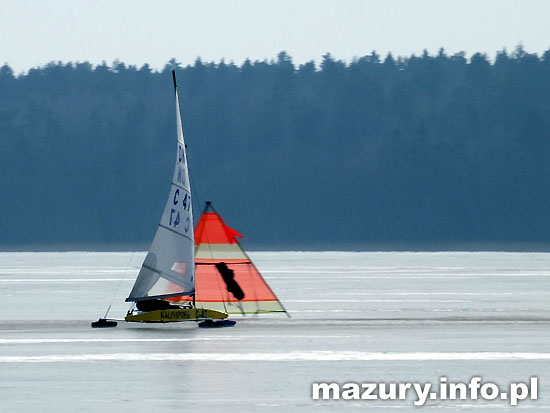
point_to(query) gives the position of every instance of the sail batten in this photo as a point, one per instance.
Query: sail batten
(160, 296)
(176, 232)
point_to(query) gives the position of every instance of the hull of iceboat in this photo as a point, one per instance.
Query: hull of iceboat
(175, 315)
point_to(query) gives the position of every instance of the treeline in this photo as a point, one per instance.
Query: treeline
(431, 150)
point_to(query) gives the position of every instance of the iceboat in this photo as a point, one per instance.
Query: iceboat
(194, 275)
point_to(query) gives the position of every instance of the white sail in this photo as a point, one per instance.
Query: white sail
(170, 261)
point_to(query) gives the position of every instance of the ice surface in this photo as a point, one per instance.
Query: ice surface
(358, 317)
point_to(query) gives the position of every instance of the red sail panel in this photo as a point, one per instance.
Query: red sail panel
(211, 286)
(212, 230)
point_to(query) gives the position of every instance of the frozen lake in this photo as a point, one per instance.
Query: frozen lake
(356, 317)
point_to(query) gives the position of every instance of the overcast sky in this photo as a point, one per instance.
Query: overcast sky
(33, 33)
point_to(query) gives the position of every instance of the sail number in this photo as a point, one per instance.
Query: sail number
(184, 205)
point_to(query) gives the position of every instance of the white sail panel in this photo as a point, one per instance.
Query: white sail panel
(181, 174)
(171, 256)
(165, 259)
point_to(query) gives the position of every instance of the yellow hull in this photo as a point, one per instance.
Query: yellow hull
(175, 315)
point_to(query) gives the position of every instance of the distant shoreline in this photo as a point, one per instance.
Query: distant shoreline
(380, 247)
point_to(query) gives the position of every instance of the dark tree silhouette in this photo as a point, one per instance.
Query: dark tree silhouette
(422, 151)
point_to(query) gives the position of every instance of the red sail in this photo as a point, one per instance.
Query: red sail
(212, 230)
(226, 279)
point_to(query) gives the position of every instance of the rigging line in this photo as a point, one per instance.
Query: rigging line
(142, 232)
(206, 233)
(194, 190)
(196, 193)
(224, 295)
(198, 201)
(250, 277)
(255, 292)
(216, 273)
(211, 253)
